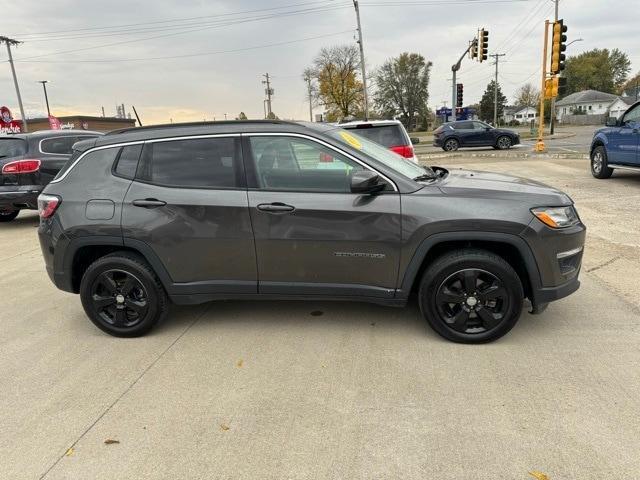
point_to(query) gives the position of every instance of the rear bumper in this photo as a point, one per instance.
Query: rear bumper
(19, 197)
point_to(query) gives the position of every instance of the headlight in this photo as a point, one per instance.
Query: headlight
(556, 217)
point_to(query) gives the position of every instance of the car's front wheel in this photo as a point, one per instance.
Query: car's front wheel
(599, 164)
(451, 145)
(504, 142)
(8, 215)
(122, 295)
(471, 296)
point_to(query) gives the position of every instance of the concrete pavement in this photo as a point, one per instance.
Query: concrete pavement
(267, 390)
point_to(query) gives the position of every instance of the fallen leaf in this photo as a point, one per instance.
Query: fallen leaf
(69, 452)
(240, 363)
(110, 441)
(224, 427)
(539, 475)
(373, 324)
(317, 313)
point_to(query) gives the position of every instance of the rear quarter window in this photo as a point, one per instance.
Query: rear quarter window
(386, 135)
(61, 145)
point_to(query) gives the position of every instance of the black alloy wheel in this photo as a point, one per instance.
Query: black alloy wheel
(504, 142)
(8, 215)
(451, 145)
(119, 298)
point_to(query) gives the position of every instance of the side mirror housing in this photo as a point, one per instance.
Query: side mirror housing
(366, 181)
(611, 122)
(414, 140)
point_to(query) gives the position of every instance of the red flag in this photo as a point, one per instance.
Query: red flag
(54, 123)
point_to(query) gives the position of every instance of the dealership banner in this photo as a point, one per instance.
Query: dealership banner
(7, 123)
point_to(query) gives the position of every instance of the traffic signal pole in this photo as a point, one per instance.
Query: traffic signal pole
(454, 68)
(552, 121)
(540, 143)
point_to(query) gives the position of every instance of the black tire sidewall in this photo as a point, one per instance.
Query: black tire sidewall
(447, 265)
(500, 138)
(9, 216)
(605, 171)
(155, 295)
(455, 142)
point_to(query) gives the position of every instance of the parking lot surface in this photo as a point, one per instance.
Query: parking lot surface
(302, 390)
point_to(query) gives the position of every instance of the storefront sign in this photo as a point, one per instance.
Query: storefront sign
(7, 123)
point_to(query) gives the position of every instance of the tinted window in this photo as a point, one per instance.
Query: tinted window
(12, 147)
(387, 135)
(633, 115)
(203, 162)
(463, 126)
(106, 154)
(128, 161)
(480, 125)
(289, 163)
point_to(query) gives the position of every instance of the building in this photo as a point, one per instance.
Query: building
(83, 122)
(587, 102)
(519, 114)
(620, 105)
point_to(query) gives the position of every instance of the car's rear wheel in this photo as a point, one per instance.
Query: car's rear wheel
(471, 296)
(8, 215)
(599, 164)
(122, 295)
(451, 145)
(504, 142)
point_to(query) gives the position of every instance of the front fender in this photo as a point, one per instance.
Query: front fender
(600, 138)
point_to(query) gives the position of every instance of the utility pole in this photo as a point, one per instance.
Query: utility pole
(495, 90)
(46, 98)
(307, 77)
(362, 64)
(552, 121)
(103, 111)
(454, 69)
(10, 42)
(268, 92)
(539, 147)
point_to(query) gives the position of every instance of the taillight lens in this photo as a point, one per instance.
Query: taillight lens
(404, 150)
(21, 166)
(47, 205)
(325, 158)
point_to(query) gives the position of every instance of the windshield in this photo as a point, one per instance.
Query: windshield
(392, 160)
(12, 147)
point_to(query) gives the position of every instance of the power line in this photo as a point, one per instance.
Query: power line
(300, 12)
(219, 52)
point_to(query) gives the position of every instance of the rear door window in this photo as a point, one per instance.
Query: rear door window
(194, 163)
(386, 135)
(463, 126)
(127, 162)
(12, 147)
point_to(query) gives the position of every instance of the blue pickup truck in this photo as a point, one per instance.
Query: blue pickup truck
(617, 145)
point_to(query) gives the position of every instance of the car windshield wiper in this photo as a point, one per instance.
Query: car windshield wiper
(425, 176)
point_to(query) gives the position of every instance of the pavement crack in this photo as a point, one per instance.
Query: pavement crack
(138, 378)
(608, 262)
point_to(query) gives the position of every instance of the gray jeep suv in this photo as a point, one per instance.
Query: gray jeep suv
(280, 210)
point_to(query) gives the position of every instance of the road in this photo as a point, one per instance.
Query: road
(274, 390)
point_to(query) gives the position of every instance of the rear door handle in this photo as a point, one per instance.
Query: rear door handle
(149, 203)
(276, 207)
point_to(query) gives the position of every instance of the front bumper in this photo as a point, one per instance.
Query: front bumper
(437, 142)
(19, 197)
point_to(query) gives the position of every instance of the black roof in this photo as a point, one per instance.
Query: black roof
(202, 128)
(52, 133)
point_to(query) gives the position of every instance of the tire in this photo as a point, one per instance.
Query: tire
(451, 145)
(456, 313)
(8, 215)
(122, 295)
(599, 163)
(504, 142)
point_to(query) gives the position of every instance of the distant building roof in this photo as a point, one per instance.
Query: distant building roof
(586, 96)
(629, 100)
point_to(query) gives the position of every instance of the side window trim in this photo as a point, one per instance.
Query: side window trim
(241, 177)
(249, 155)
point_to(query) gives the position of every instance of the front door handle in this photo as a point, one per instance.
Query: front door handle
(149, 203)
(276, 207)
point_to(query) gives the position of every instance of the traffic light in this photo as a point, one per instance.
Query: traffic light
(460, 94)
(483, 47)
(473, 51)
(552, 87)
(559, 45)
(562, 85)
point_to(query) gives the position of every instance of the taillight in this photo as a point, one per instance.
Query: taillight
(404, 150)
(325, 158)
(47, 205)
(21, 166)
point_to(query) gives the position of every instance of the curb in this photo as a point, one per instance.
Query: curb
(523, 155)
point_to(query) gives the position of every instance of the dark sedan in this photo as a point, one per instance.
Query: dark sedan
(468, 133)
(28, 162)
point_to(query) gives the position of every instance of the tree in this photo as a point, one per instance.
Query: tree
(339, 90)
(403, 88)
(597, 69)
(487, 102)
(631, 88)
(242, 116)
(527, 96)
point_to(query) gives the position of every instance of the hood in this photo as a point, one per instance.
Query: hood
(477, 184)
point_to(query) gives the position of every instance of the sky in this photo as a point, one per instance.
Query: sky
(191, 60)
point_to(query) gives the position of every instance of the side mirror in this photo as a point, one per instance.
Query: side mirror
(612, 122)
(366, 181)
(414, 140)
(487, 128)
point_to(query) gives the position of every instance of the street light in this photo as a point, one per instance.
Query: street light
(574, 41)
(46, 98)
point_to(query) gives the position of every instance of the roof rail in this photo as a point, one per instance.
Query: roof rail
(196, 124)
